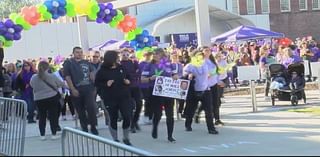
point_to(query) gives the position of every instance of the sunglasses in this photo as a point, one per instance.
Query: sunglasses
(96, 56)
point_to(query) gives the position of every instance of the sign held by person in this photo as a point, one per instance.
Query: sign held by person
(168, 87)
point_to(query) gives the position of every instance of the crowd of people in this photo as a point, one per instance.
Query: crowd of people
(125, 83)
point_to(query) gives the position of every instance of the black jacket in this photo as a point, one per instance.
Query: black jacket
(118, 90)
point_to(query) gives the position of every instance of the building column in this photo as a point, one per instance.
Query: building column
(83, 33)
(203, 22)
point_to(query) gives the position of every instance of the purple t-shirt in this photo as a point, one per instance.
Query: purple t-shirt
(154, 69)
(141, 67)
(132, 69)
(316, 52)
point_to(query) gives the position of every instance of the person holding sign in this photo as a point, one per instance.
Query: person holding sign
(160, 67)
(199, 71)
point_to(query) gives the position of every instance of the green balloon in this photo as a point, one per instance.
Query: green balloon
(138, 30)
(13, 16)
(2, 39)
(42, 8)
(92, 16)
(130, 36)
(8, 43)
(47, 16)
(95, 8)
(113, 24)
(139, 55)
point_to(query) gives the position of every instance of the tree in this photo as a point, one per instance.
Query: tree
(13, 6)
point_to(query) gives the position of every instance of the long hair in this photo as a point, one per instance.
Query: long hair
(211, 57)
(110, 58)
(43, 66)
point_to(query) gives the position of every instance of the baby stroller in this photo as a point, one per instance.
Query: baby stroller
(289, 83)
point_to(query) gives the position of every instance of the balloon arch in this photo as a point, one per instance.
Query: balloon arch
(103, 13)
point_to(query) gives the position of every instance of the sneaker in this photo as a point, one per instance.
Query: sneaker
(64, 118)
(148, 121)
(127, 142)
(219, 122)
(133, 130)
(188, 129)
(42, 138)
(94, 131)
(214, 132)
(74, 117)
(171, 139)
(154, 133)
(54, 137)
(31, 121)
(222, 100)
(59, 129)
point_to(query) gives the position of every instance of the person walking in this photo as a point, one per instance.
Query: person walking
(202, 92)
(113, 82)
(149, 75)
(132, 68)
(79, 75)
(46, 95)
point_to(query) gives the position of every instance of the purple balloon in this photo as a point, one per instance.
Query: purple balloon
(102, 6)
(99, 20)
(8, 36)
(16, 36)
(113, 12)
(18, 28)
(101, 14)
(108, 18)
(8, 23)
(110, 6)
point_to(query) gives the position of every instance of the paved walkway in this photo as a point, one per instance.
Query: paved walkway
(271, 131)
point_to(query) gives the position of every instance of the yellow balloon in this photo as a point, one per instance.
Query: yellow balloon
(197, 60)
(81, 6)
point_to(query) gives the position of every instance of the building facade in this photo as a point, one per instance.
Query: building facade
(294, 18)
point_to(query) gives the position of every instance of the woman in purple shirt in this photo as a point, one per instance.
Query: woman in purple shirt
(202, 92)
(145, 89)
(149, 74)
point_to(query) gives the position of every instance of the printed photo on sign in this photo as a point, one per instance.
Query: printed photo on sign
(168, 87)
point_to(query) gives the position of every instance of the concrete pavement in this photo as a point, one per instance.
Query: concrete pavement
(271, 131)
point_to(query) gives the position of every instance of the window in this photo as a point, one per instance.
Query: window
(285, 5)
(303, 5)
(265, 6)
(251, 7)
(315, 4)
(235, 6)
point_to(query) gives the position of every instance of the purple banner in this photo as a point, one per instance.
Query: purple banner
(184, 40)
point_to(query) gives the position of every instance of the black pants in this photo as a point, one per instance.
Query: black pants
(85, 106)
(147, 105)
(48, 107)
(181, 104)
(124, 106)
(137, 101)
(267, 87)
(67, 100)
(157, 103)
(192, 104)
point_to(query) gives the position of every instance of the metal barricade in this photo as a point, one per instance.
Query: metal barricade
(79, 143)
(13, 114)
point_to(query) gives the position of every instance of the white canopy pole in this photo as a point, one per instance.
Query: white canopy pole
(203, 22)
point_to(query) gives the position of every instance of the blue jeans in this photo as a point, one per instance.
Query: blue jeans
(30, 107)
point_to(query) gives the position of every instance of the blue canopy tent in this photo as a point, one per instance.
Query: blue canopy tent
(111, 45)
(242, 33)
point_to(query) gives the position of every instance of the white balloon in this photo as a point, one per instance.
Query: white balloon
(55, 4)
(145, 40)
(11, 30)
(107, 11)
